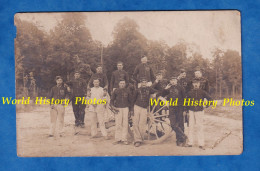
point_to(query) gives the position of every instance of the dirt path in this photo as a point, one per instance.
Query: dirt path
(33, 128)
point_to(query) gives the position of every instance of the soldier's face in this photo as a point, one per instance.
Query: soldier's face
(96, 83)
(122, 84)
(119, 66)
(196, 85)
(144, 60)
(99, 69)
(183, 74)
(77, 75)
(159, 77)
(173, 81)
(144, 83)
(59, 81)
(198, 74)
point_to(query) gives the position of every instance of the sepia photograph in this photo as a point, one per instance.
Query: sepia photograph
(139, 83)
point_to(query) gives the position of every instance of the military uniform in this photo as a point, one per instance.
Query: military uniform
(116, 77)
(144, 71)
(57, 110)
(141, 101)
(196, 116)
(176, 112)
(103, 82)
(78, 87)
(121, 99)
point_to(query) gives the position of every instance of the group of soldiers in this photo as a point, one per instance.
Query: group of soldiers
(132, 100)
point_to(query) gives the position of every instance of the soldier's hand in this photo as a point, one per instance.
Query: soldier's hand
(168, 86)
(52, 106)
(68, 88)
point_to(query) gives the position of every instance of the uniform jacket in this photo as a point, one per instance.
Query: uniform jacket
(58, 92)
(197, 95)
(183, 82)
(174, 92)
(121, 98)
(117, 76)
(141, 96)
(103, 82)
(204, 84)
(143, 71)
(78, 87)
(160, 85)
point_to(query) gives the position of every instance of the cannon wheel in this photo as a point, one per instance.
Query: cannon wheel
(158, 126)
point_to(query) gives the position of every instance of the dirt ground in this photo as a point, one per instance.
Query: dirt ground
(33, 140)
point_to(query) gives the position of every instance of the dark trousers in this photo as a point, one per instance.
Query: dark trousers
(79, 112)
(177, 124)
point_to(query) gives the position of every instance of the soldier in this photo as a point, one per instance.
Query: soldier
(173, 92)
(86, 73)
(204, 85)
(57, 111)
(196, 114)
(96, 111)
(117, 75)
(160, 83)
(78, 86)
(143, 70)
(183, 82)
(141, 100)
(121, 100)
(103, 82)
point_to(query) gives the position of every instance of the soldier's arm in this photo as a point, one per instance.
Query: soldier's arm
(126, 79)
(90, 81)
(106, 81)
(207, 96)
(51, 93)
(136, 71)
(113, 97)
(112, 82)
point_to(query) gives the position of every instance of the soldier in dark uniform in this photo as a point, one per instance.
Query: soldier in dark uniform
(204, 84)
(143, 70)
(103, 82)
(86, 73)
(174, 91)
(78, 87)
(183, 82)
(160, 83)
(117, 75)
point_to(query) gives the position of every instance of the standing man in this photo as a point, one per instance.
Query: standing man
(57, 111)
(173, 92)
(96, 111)
(196, 114)
(183, 83)
(143, 70)
(141, 102)
(78, 86)
(117, 75)
(121, 100)
(103, 82)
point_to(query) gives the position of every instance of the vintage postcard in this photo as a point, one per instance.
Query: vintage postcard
(153, 83)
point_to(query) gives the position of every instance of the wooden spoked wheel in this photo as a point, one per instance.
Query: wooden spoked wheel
(158, 125)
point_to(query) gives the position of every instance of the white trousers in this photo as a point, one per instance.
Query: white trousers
(57, 113)
(196, 127)
(139, 123)
(121, 119)
(97, 116)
